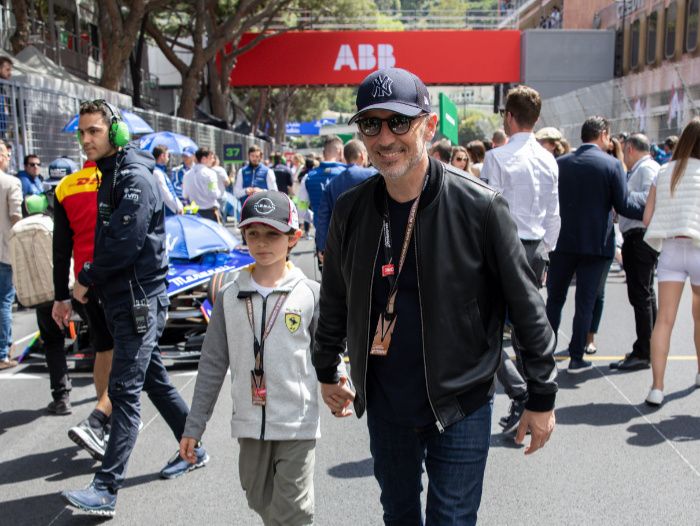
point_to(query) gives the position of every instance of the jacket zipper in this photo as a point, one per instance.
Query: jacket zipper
(262, 348)
(369, 319)
(438, 424)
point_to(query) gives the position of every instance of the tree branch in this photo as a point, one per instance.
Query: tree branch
(162, 43)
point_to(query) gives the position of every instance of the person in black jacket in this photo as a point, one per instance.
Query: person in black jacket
(128, 271)
(591, 184)
(420, 265)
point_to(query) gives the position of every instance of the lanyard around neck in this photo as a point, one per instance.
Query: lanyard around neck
(386, 233)
(259, 345)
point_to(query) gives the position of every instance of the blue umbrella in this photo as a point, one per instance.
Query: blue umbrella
(190, 236)
(174, 141)
(136, 124)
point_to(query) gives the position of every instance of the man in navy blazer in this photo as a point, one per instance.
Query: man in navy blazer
(591, 184)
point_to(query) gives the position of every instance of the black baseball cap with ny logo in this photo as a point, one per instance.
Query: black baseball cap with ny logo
(392, 89)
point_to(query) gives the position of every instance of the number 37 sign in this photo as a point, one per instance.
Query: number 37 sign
(233, 152)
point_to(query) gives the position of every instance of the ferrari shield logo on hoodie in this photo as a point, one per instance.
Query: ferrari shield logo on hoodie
(292, 320)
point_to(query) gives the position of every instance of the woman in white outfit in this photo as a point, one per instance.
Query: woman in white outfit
(672, 216)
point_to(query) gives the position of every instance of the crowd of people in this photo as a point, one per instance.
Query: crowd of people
(397, 216)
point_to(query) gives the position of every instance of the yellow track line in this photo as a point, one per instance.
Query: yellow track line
(596, 358)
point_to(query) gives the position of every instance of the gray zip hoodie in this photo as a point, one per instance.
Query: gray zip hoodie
(292, 411)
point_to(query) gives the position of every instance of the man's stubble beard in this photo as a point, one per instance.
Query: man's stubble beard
(412, 163)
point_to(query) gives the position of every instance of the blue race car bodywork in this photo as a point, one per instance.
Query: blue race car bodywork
(190, 308)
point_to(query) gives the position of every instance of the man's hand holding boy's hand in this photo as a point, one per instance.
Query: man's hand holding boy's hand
(338, 397)
(187, 446)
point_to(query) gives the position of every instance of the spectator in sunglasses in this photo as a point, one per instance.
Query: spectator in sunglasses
(460, 158)
(30, 177)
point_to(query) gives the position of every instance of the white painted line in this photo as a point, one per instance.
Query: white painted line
(654, 427)
(153, 419)
(194, 373)
(57, 516)
(669, 442)
(20, 376)
(157, 415)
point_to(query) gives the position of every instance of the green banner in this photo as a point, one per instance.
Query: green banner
(449, 120)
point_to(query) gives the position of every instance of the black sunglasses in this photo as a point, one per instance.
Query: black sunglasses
(398, 124)
(33, 164)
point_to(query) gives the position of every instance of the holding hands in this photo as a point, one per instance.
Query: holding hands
(338, 397)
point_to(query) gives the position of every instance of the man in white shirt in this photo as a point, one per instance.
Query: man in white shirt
(201, 185)
(527, 175)
(638, 258)
(10, 213)
(172, 204)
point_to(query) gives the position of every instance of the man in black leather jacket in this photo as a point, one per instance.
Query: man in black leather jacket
(422, 312)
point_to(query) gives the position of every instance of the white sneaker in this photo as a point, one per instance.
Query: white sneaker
(655, 397)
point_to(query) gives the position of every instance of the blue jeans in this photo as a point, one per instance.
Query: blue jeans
(454, 460)
(136, 366)
(7, 296)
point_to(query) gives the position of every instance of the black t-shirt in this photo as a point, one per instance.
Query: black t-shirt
(396, 383)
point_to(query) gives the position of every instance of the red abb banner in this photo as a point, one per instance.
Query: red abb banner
(345, 57)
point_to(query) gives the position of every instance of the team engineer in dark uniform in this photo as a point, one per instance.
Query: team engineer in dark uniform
(128, 272)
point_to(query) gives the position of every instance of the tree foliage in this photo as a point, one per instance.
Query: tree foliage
(477, 125)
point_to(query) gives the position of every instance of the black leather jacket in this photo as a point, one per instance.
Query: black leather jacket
(471, 266)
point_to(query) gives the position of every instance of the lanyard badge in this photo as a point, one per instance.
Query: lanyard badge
(258, 388)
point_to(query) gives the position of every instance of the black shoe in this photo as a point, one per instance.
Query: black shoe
(631, 363)
(60, 407)
(514, 415)
(578, 366)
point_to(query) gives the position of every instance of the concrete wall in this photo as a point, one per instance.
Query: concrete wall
(555, 62)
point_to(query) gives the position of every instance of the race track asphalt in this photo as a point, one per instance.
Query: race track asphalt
(612, 460)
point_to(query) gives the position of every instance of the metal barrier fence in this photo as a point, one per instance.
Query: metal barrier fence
(658, 114)
(31, 120)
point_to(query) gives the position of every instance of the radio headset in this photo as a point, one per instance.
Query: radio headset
(119, 134)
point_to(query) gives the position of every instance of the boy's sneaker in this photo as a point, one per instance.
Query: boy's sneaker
(513, 418)
(92, 500)
(176, 466)
(60, 407)
(579, 366)
(89, 438)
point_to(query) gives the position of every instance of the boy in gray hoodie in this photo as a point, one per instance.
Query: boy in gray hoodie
(262, 327)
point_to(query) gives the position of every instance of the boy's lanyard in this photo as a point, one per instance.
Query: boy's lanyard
(388, 270)
(259, 345)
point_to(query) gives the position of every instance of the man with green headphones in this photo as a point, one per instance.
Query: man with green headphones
(127, 273)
